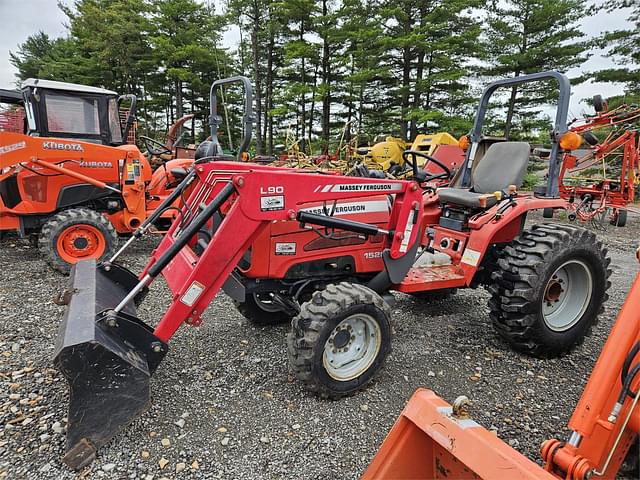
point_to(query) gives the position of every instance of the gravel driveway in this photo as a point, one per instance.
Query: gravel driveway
(224, 405)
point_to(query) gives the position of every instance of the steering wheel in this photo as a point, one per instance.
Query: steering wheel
(446, 172)
(149, 143)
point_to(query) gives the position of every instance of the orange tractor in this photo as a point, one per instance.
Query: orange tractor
(432, 439)
(72, 180)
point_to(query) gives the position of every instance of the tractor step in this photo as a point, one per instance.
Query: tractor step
(424, 278)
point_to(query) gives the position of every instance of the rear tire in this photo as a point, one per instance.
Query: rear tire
(76, 234)
(339, 340)
(549, 288)
(257, 309)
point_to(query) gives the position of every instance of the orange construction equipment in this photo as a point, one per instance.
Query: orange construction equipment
(433, 439)
(72, 181)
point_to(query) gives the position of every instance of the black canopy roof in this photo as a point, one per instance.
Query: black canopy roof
(10, 96)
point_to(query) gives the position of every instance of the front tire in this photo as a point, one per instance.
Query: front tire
(549, 288)
(340, 339)
(76, 234)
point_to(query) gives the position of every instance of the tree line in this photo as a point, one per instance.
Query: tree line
(324, 69)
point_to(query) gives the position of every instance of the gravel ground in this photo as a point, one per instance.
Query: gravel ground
(224, 405)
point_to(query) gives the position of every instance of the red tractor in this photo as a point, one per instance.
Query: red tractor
(324, 251)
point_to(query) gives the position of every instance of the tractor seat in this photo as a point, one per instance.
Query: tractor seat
(504, 164)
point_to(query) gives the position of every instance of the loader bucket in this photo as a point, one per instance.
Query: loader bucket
(106, 358)
(429, 441)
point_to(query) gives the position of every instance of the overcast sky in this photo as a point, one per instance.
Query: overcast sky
(22, 18)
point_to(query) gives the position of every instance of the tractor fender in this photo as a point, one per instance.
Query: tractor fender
(490, 228)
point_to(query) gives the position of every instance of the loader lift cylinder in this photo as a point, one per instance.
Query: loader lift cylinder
(184, 237)
(151, 219)
(344, 224)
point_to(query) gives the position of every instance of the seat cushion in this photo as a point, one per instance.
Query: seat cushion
(460, 196)
(504, 164)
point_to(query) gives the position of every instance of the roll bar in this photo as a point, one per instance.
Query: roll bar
(560, 126)
(215, 120)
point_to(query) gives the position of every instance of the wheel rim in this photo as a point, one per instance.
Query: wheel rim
(80, 242)
(265, 302)
(567, 295)
(352, 347)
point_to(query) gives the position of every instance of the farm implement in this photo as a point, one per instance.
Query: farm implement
(433, 439)
(602, 182)
(324, 252)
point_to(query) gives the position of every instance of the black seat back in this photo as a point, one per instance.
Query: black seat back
(504, 164)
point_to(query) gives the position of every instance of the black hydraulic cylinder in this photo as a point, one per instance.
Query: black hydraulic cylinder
(190, 230)
(167, 202)
(341, 223)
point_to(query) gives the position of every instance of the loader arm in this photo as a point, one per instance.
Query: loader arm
(108, 354)
(606, 421)
(261, 195)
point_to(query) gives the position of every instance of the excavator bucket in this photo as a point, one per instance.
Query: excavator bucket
(106, 358)
(431, 439)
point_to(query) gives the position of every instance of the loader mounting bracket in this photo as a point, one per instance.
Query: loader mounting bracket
(137, 338)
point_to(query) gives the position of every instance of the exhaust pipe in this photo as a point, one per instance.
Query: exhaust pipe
(106, 357)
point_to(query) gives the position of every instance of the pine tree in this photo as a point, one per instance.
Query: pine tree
(624, 48)
(53, 59)
(529, 36)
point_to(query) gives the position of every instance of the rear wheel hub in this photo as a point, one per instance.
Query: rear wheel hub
(567, 295)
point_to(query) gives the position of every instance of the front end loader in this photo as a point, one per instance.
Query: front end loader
(107, 353)
(432, 439)
(325, 252)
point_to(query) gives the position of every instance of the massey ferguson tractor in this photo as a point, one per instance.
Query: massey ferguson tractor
(72, 181)
(432, 439)
(324, 252)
